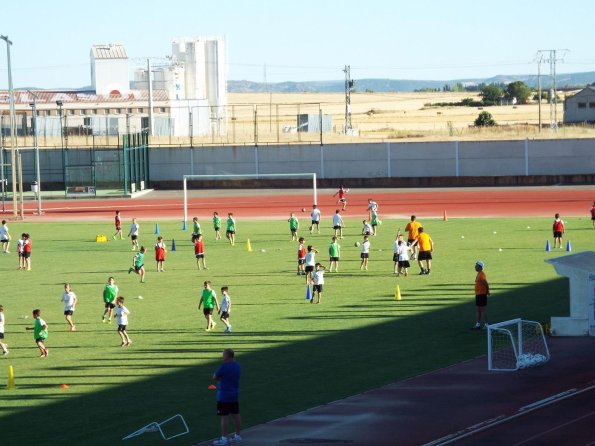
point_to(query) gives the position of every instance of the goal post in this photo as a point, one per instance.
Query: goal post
(263, 176)
(516, 344)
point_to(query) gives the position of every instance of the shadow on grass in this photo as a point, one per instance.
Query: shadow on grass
(276, 381)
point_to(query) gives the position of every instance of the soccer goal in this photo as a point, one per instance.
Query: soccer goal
(263, 176)
(516, 344)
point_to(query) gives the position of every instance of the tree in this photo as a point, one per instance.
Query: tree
(491, 94)
(485, 119)
(518, 90)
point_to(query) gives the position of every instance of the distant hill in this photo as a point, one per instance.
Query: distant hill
(403, 85)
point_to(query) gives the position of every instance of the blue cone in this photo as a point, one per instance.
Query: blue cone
(184, 226)
(547, 246)
(308, 293)
(156, 228)
(173, 244)
(568, 247)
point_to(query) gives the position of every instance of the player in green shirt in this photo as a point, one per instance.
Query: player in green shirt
(208, 300)
(334, 252)
(230, 233)
(138, 264)
(374, 221)
(195, 229)
(294, 225)
(40, 332)
(217, 225)
(110, 293)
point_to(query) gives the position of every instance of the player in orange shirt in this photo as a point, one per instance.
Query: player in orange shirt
(413, 229)
(482, 291)
(426, 247)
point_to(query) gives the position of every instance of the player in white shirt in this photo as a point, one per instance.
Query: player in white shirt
(338, 223)
(315, 218)
(401, 257)
(4, 237)
(20, 250)
(69, 299)
(122, 321)
(365, 254)
(366, 228)
(318, 282)
(310, 262)
(225, 308)
(2, 344)
(133, 234)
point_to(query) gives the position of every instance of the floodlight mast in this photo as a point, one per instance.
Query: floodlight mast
(13, 120)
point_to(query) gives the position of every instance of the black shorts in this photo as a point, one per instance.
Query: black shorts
(200, 256)
(301, 261)
(404, 264)
(334, 259)
(1, 335)
(133, 237)
(68, 312)
(293, 231)
(315, 222)
(118, 228)
(195, 237)
(337, 227)
(217, 228)
(224, 315)
(593, 218)
(317, 288)
(40, 339)
(207, 311)
(342, 200)
(481, 300)
(557, 234)
(367, 233)
(364, 255)
(121, 327)
(424, 255)
(224, 409)
(410, 241)
(4, 240)
(230, 232)
(110, 305)
(395, 257)
(138, 268)
(374, 225)
(309, 268)
(26, 255)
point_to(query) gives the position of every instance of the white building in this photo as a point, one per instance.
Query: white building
(109, 70)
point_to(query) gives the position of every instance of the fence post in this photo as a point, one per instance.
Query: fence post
(527, 157)
(389, 172)
(457, 168)
(256, 169)
(321, 161)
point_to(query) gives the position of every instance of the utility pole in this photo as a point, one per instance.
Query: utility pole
(539, 60)
(150, 96)
(33, 105)
(553, 99)
(349, 83)
(13, 125)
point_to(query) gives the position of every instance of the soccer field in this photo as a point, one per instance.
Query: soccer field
(294, 355)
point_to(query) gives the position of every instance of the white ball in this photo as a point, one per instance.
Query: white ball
(380, 250)
(528, 227)
(462, 236)
(500, 249)
(140, 297)
(262, 250)
(356, 244)
(495, 232)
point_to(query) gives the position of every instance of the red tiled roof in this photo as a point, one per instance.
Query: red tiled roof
(50, 97)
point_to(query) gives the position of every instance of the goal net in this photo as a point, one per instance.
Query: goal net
(186, 178)
(516, 344)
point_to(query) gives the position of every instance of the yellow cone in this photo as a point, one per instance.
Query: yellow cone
(397, 293)
(10, 384)
(248, 246)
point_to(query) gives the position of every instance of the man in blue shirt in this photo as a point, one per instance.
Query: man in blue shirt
(228, 375)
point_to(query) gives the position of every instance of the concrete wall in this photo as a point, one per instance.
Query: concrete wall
(422, 163)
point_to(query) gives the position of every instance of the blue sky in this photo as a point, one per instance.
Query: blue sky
(302, 40)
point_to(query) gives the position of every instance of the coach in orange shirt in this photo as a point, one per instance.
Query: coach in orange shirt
(482, 291)
(413, 229)
(426, 246)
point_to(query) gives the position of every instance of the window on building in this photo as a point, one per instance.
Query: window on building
(129, 110)
(49, 113)
(95, 111)
(591, 104)
(582, 105)
(141, 110)
(161, 109)
(118, 111)
(83, 112)
(106, 111)
(71, 112)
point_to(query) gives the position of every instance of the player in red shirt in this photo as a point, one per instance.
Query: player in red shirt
(199, 252)
(558, 228)
(301, 257)
(342, 193)
(118, 223)
(27, 252)
(160, 254)
(593, 214)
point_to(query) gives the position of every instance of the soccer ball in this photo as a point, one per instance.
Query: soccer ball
(303, 209)
(356, 244)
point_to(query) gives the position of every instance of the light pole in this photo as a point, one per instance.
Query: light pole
(60, 104)
(12, 128)
(33, 106)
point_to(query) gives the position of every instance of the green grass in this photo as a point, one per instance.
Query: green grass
(294, 355)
